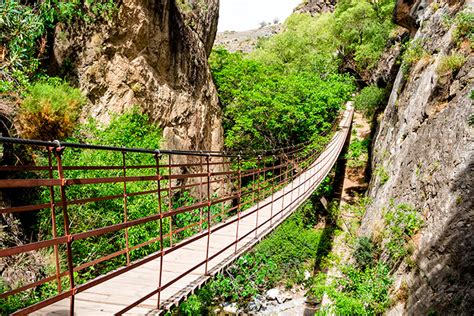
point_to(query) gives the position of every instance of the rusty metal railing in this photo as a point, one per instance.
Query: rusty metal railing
(216, 187)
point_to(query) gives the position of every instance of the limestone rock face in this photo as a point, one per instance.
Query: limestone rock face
(425, 145)
(314, 7)
(154, 55)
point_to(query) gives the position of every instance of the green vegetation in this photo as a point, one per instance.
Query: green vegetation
(356, 292)
(358, 152)
(362, 288)
(450, 64)
(289, 89)
(265, 107)
(464, 29)
(413, 52)
(403, 222)
(382, 174)
(24, 30)
(362, 29)
(50, 110)
(370, 100)
(281, 258)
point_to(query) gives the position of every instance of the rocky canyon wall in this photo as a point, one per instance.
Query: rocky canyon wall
(154, 56)
(423, 156)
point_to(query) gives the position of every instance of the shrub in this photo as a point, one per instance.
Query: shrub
(464, 22)
(450, 64)
(413, 52)
(266, 107)
(382, 174)
(370, 100)
(24, 28)
(403, 222)
(50, 110)
(365, 252)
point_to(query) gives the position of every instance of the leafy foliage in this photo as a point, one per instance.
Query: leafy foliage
(370, 100)
(365, 252)
(24, 29)
(264, 107)
(362, 28)
(357, 292)
(403, 222)
(50, 110)
(413, 52)
(464, 22)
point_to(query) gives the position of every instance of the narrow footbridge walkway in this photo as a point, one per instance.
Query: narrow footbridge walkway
(239, 199)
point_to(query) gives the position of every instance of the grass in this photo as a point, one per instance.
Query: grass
(450, 64)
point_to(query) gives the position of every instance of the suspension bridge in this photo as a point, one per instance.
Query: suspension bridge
(263, 189)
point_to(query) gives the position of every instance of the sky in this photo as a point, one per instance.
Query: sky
(242, 15)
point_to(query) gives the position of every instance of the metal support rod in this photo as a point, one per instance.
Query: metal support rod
(54, 229)
(201, 184)
(208, 158)
(125, 206)
(259, 187)
(239, 200)
(273, 191)
(160, 210)
(170, 204)
(58, 153)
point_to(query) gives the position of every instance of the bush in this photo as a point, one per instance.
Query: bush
(370, 100)
(24, 28)
(356, 292)
(266, 107)
(50, 110)
(464, 22)
(450, 64)
(413, 52)
(403, 222)
(365, 252)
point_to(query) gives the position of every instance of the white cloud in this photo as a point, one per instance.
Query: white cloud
(241, 15)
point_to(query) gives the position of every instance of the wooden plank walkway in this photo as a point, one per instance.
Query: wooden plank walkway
(118, 293)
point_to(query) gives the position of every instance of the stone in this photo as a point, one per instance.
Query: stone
(315, 7)
(425, 126)
(272, 294)
(154, 56)
(230, 308)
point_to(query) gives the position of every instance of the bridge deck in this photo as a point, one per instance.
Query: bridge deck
(120, 292)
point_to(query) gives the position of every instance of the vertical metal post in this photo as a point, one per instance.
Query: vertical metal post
(223, 187)
(273, 190)
(292, 184)
(170, 204)
(239, 197)
(298, 173)
(201, 184)
(158, 177)
(208, 158)
(259, 187)
(283, 194)
(67, 233)
(53, 221)
(125, 206)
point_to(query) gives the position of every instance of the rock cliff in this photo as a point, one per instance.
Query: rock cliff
(314, 7)
(153, 55)
(424, 148)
